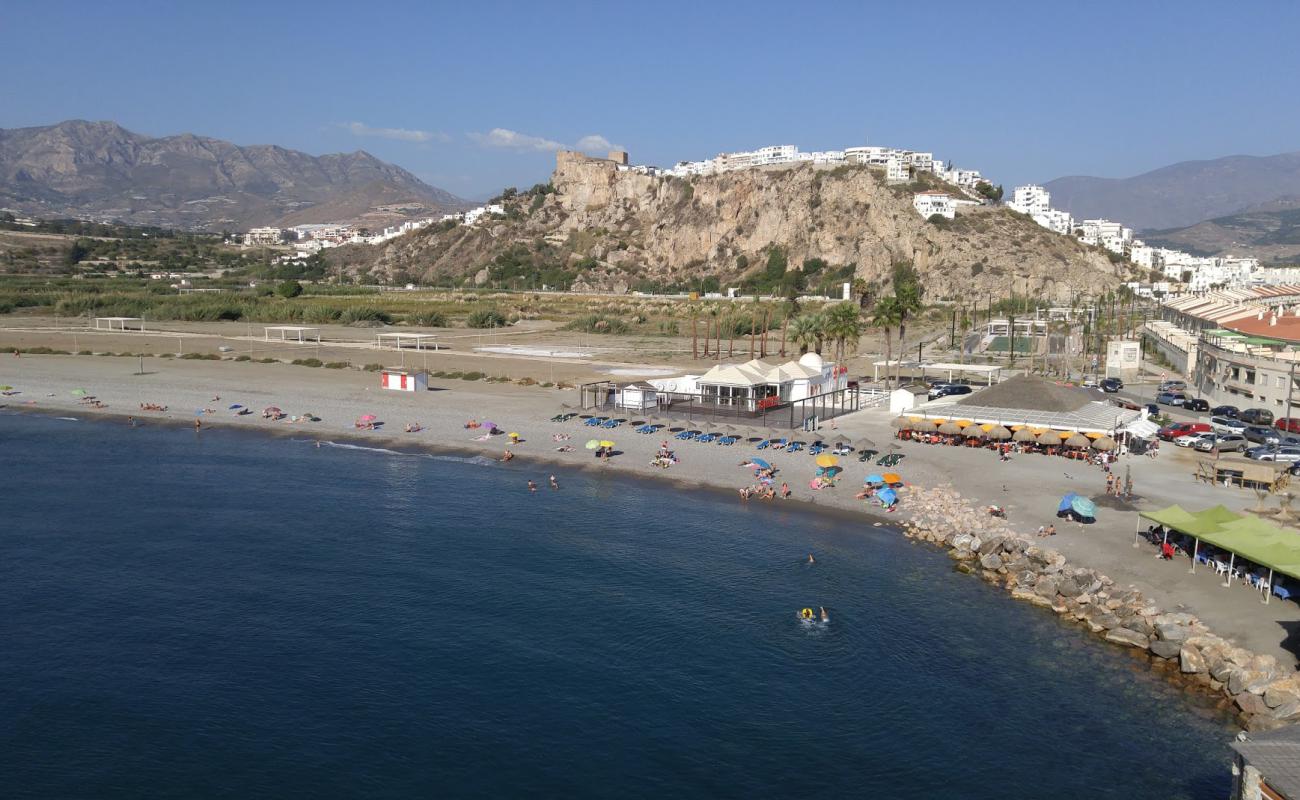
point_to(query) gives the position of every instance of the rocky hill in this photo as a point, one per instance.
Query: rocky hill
(1270, 233)
(600, 228)
(1182, 194)
(101, 171)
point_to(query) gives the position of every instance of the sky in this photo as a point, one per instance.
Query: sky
(477, 96)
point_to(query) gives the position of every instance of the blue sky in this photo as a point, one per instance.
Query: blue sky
(1022, 91)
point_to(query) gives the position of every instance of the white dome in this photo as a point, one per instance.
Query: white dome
(811, 360)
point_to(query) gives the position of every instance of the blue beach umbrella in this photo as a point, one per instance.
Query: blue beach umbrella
(760, 463)
(887, 496)
(1084, 507)
(1066, 502)
(233, 406)
(874, 477)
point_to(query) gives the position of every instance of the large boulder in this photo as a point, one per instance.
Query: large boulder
(1046, 587)
(1165, 649)
(1250, 704)
(991, 561)
(1068, 587)
(1285, 711)
(1031, 597)
(1190, 660)
(1172, 631)
(1128, 637)
(1281, 692)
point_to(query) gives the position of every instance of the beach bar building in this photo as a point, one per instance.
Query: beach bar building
(636, 396)
(1027, 401)
(303, 334)
(404, 380)
(756, 384)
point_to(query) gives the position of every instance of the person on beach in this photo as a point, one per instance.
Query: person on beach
(785, 493)
(507, 456)
(130, 421)
(554, 484)
(532, 487)
(1051, 530)
(198, 424)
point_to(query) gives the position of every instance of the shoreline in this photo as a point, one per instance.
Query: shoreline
(926, 514)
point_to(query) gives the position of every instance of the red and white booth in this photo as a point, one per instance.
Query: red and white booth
(402, 380)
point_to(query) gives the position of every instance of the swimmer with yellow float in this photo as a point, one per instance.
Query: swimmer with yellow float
(809, 615)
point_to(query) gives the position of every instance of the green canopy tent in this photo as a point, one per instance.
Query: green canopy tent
(1262, 542)
(1171, 517)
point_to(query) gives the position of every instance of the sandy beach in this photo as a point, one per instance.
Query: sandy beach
(1028, 487)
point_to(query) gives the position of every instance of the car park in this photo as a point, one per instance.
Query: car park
(1170, 432)
(1196, 404)
(1226, 425)
(1223, 442)
(1226, 411)
(1170, 398)
(1289, 454)
(1260, 434)
(948, 390)
(1112, 385)
(1288, 424)
(1256, 416)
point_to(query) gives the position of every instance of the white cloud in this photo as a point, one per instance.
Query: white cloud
(596, 142)
(400, 134)
(514, 140)
(506, 139)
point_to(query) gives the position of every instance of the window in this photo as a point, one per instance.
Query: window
(1281, 382)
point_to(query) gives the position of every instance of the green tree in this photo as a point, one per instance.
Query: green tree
(844, 328)
(988, 191)
(805, 330)
(776, 264)
(887, 315)
(289, 289)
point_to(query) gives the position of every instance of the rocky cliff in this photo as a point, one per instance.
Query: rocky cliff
(609, 229)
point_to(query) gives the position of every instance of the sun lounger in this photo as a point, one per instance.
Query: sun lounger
(684, 435)
(793, 447)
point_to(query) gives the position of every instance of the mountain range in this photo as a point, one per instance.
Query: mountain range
(1185, 193)
(102, 171)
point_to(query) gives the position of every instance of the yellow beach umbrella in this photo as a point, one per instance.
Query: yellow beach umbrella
(964, 423)
(514, 435)
(827, 461)
(1094, 434)
(606, 443)
(1017, 428)
(938, 420)
(988, 426)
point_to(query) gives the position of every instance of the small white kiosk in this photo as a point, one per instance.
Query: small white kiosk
(304, 334)
(119, 324)
(404, 380)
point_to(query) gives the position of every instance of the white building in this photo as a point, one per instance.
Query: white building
(897, 171)
(257, 237)
(965, 178)
(475, 214)
(927, 204)
(1031, 199)
(756, 385)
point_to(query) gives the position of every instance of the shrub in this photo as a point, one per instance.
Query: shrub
(244, 357)
(197, 356)
(596, 323)
(337, 364)
(364, 315)
(486, 318)
(268, 361)
(289, 289)
(526, 381)
(306, 362)
(428, 319)
(547, 385)
(84, 353)
(372, 367)
(451, 376)
(472, 376)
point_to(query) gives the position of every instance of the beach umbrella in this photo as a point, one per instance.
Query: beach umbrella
(1084, 507)
(1094, 434)
(923, 425)
(271, 410)
(592, 444)
(514, 435)
(1066, 502)
(1078, 440)
(887, 496)
(827, 460)
(234, 406)
(1023, 435)
(841, 439)
(998, 433)
(606, 443)
(490, 425)
(892, 478)
(874, 477)
(1018, 427)
(760, 463)
(565, 406)
(78, 392)
(1049, 438)
(939, 420)
(950, 428)
(368, 418)
(1103, 443)
(831, 472)
(900, 423)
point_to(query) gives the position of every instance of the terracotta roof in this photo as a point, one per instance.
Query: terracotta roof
(1287, 328)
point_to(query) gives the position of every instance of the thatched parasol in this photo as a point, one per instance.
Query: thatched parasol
(1103, 443)
(923, 425)
(901, 423)
(974, 431)
(950, 428)
(1050, 438)
(1023, 435)
(1078, 440)
(999, 434)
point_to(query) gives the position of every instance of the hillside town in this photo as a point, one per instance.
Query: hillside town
(313, 238)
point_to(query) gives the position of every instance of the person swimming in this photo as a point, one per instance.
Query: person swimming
(532, 487)
(825, 617)
(554, 484)
(811, 560)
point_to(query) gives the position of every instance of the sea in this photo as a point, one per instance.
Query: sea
(233, 615)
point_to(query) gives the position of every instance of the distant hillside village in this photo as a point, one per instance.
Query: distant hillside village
(1182, 271)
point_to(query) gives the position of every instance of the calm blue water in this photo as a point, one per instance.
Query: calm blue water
(227, 615)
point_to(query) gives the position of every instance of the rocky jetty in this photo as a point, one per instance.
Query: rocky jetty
(1264, 693)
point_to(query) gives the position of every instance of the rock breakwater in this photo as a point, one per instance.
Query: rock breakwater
(1264, 693)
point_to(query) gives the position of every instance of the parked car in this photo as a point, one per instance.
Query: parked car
(1129, 404)
(1112, 385)
(1196, 404)
(1170, 432)
(1288, 454)
(1091, 382)
(1223, 442)
(1226, 411)
(1260, 434)
(1190, 439)
(1173, 386)
(947, 390)
(1152, 409)
(1288, 424)
(1256, 416)
(1171, 398)
(1226, 425)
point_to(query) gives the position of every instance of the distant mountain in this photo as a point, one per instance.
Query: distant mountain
(101, 171)
(1181, 194)
(1270, 233)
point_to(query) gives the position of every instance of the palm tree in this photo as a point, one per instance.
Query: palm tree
(804, 330)
(865, 291)
(843, 325)
(885, 316)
